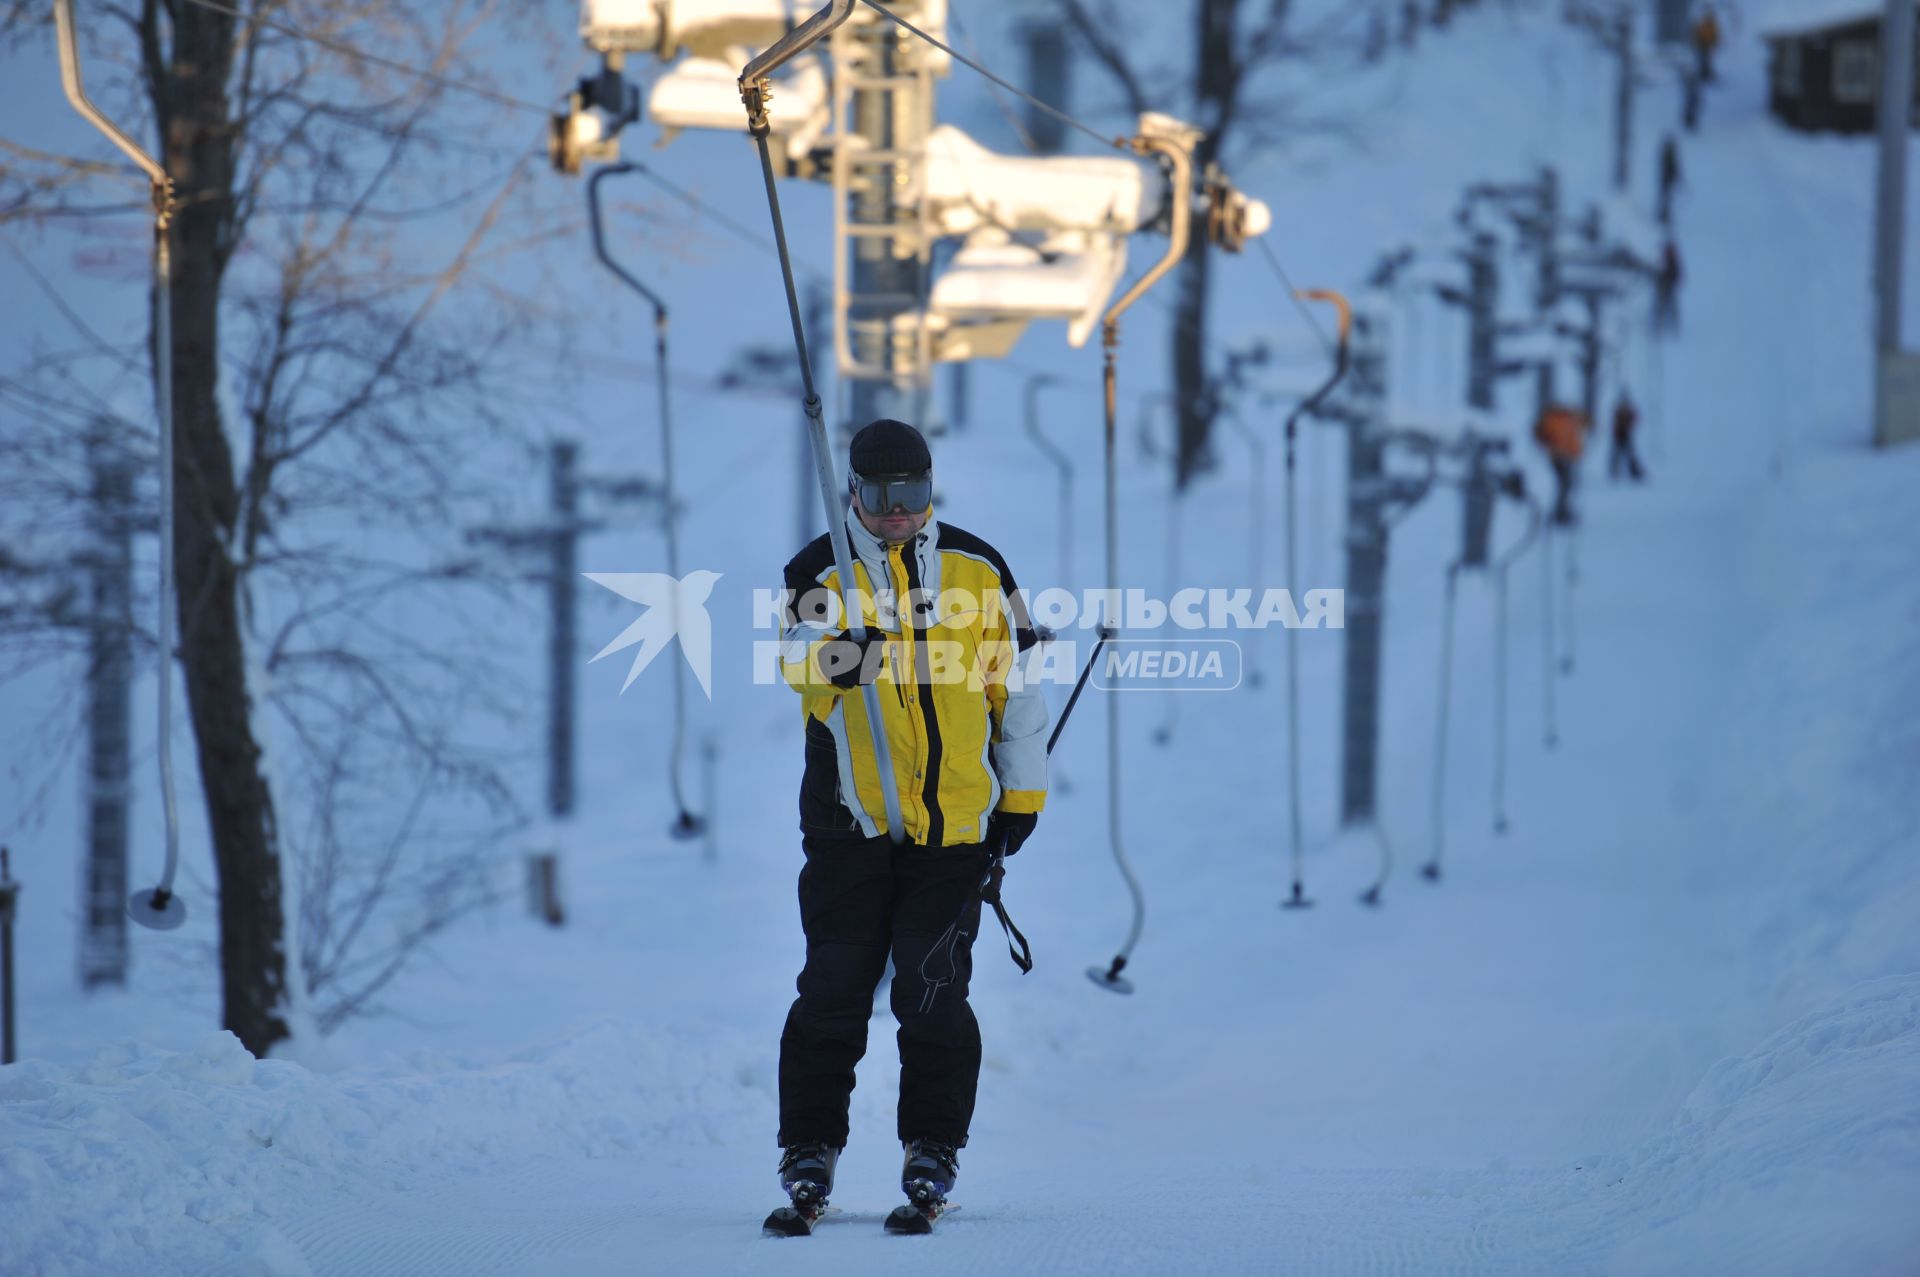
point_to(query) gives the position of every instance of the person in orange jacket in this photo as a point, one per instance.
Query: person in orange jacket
(1706, 39)
(1562, 431)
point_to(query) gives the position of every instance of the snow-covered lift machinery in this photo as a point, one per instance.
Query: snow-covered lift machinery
(158, 908)
(1040, 238)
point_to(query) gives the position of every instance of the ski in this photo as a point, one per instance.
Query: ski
(925, 1205)
(795, 1221)
(914, 1220)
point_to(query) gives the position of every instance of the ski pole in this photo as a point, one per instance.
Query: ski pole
(1080, 684)
(159, 908)
(686, 825)
(1017, 945)
(1063, 464)
(1298, 898)
(755, 93)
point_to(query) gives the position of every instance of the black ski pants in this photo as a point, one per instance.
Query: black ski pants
(862, 899)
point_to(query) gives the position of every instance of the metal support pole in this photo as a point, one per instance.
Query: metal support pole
(9, 895)
(1049, 71)
(1500, 700)
(1063, 466)
(1625, 54)
(1552, 737)
(1257, 530)
(710, 797)
(1590, 348)
(1366, 576)
(1483, 303)
(958, 394)
(1889, 238)
(103, 936)
(1546, 244)
(563, 508)
(1366, 594)
(1431, 870)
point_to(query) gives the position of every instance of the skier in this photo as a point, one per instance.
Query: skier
(968, 746)
(1669, 177)
(1624, 457)
(1561, 431)
(1706, 39)
(1666, 289)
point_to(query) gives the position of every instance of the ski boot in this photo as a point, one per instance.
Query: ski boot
(927, 1177)
(806, 1176)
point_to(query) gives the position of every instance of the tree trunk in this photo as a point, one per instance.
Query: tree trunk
(1192, 387)
(199, 138)
(1215, 86)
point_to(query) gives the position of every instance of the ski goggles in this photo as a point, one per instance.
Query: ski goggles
(881, 494)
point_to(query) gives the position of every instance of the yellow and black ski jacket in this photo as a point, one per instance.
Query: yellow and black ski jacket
(967, 734)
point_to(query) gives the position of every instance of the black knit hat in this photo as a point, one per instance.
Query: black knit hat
(886, 447)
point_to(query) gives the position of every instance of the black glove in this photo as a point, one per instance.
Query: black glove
(1007, 830)
(990, 885)
(843, 658)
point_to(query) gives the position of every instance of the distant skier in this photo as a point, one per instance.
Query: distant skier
(1562, 432)
(1706, 39)
(1624, 458)
(1666, 289)
(1669, 177)
(969, 758)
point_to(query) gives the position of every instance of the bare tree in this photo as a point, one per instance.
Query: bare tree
(1230, 93)
(333, 414)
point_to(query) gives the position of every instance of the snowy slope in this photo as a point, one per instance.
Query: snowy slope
(1670, 1023)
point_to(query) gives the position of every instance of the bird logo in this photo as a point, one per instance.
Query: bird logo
(674, 608)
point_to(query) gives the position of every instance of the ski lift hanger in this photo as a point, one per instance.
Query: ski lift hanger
(158, 908)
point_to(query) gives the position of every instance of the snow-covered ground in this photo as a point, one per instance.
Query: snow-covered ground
(1669, 1023)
